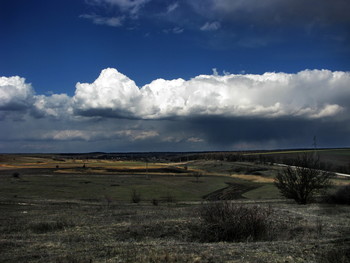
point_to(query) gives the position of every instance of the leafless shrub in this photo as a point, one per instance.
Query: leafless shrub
(226, 221)
(73, 258)
(197, 175)
(49, 226)
(109, 200)
(16, 175)
(135, 197)
(303, 180)
(169, 198)
(155, 201)
(339, 254)
(342, 196)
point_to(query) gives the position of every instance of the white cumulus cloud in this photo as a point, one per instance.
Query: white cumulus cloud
(308, 94)
(112, 94)
(19, 97)
(15, 94)
(56, 106)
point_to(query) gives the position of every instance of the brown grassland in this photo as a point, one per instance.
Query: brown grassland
(55, 208)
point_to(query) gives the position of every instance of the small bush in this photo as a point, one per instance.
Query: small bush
(108, 199)
(225, 221)
(73, 258)
(169, 198)
(134, 254)
(197, 175)
(135, 197)
(335, 255)
(16, 175)
(342, 196)
(155, 202)
(49, 226)
(140, 231)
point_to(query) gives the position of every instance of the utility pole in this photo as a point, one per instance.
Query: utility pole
(147, 169)
(315, 146)
(315, 142)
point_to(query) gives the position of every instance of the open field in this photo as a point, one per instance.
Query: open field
(63, 209)
(335, 159)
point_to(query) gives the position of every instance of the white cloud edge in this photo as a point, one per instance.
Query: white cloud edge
(15, 93)
(132, 7)
(172, 7)
(101, 20)
(211, 26)
(95, 135)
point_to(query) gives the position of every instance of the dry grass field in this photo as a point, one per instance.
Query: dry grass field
(56, 209)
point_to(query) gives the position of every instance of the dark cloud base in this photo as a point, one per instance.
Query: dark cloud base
(289, 133)
(195, 134)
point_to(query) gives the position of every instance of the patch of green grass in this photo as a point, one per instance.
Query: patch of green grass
(117, 187)
(266, 191)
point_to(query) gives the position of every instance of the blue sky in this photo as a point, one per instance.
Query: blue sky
(53, 45)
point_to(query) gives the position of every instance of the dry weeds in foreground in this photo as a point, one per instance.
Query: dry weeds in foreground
(169, 232)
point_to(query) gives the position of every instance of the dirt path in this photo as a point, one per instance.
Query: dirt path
(231, 192)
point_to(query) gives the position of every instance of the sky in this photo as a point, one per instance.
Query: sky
(173, 75)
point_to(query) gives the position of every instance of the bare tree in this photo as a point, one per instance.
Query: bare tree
(135, 196)
(197, 175)
(303, 180)
(16, 175)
